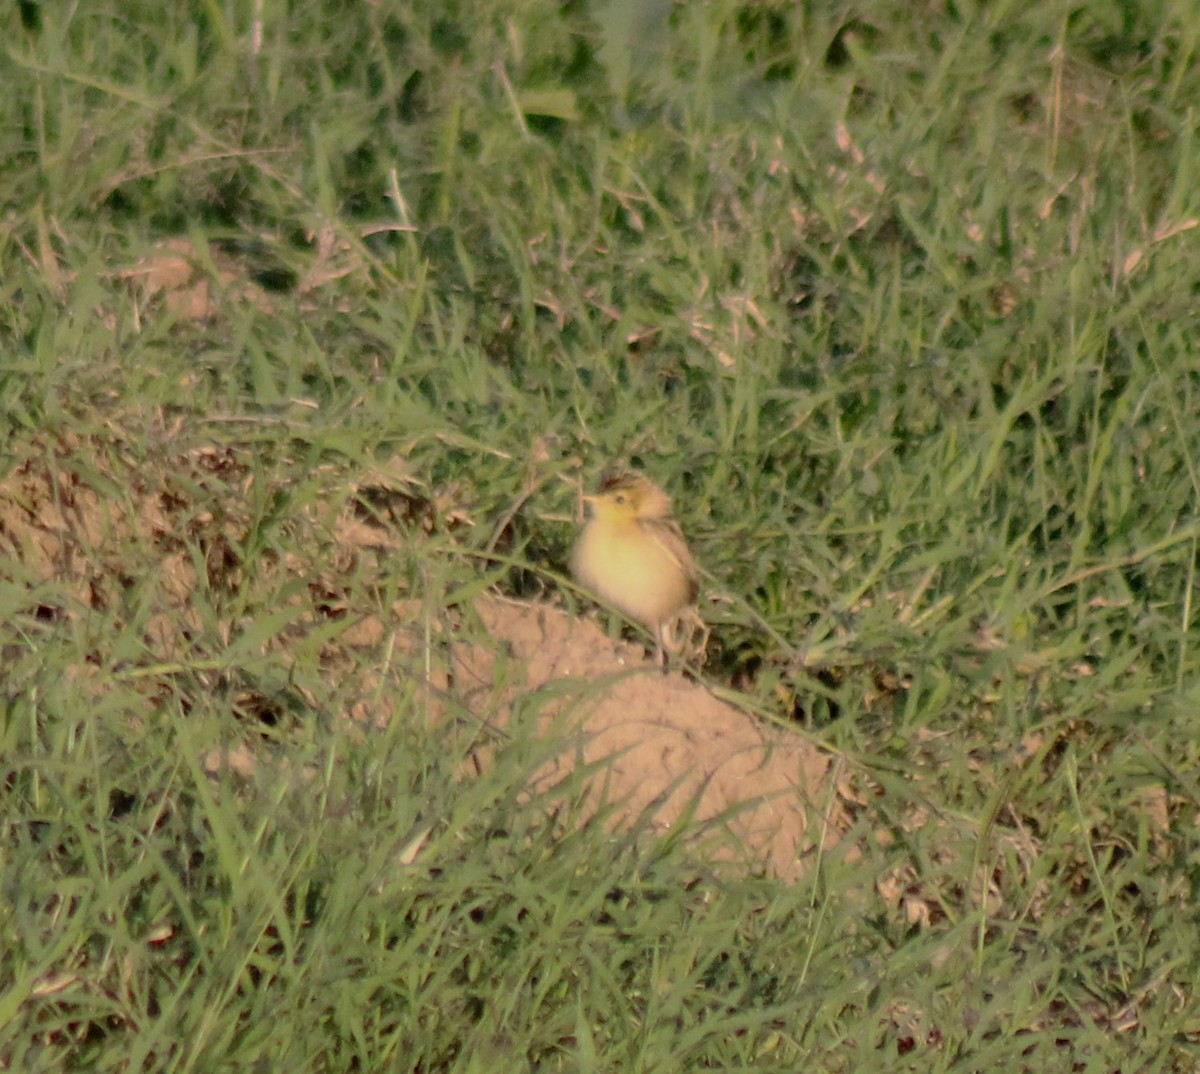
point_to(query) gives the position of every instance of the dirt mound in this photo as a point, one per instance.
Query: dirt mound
(668, 746)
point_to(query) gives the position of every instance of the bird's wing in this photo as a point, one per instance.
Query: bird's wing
(669, 537)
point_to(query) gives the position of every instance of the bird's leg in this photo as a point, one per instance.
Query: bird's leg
(694, 646)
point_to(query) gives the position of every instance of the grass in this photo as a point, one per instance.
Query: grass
(901, 308)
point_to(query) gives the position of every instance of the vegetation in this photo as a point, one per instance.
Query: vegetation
(315, 316)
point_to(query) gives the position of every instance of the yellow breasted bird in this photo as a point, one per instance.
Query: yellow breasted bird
(632, 555)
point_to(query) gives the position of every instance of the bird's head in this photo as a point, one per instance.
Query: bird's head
(628, 496)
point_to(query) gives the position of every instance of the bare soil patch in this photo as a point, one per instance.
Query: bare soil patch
(82, 525)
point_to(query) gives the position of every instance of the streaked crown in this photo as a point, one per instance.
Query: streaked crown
(642, 496)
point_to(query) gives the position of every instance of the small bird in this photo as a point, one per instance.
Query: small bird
(632, 555)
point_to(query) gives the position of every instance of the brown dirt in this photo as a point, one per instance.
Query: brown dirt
(667, 744)
(661, 744)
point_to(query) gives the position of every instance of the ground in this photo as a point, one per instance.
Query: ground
(658, 744)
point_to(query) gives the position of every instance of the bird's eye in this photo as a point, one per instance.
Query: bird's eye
(621, 499)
